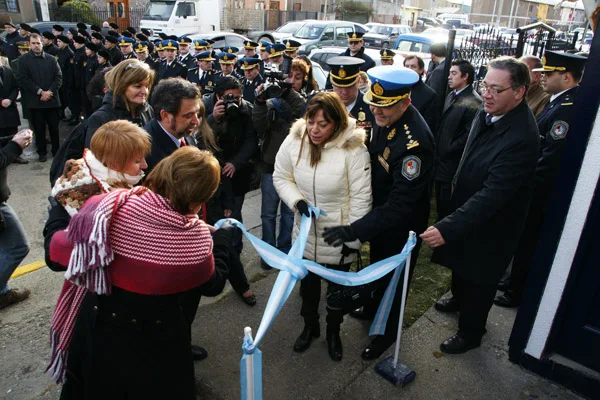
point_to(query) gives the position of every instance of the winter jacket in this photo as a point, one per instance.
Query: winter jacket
(36, 74)
(340, 185)
(109, 112)
(9, 150)
(9, 89)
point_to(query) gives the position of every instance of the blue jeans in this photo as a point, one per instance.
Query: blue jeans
(268, 215)
(14, 246)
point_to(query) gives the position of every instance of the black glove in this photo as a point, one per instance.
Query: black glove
(339, 235)
(303, 208)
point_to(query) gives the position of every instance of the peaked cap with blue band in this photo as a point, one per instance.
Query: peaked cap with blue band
(291, 45)
(250, 45)
(125, 41)
(231, 50)
(249, 63)
(227, 58)
(169, 44)
(275, 49)
(389, 85)
(184, 40)
(200, 44)
(263, 45)
(205, 56)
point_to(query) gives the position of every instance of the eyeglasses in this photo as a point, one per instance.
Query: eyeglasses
(492, 90)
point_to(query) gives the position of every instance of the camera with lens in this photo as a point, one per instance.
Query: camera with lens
(232, 106)
(274, 81)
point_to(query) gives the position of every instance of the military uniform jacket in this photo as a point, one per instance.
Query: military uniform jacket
(188, 61)
(79, 62)
(207, 84)
(249, 91)
(492, 191)
(363, 116)
(369, 63)
(173, 70)
(553, 124)
(129, 56)
(115, 55)
(91, 66)
(401, 171)
(65, 62)
(51, 49)
(425, 101)
(455, 125)
(152, 63)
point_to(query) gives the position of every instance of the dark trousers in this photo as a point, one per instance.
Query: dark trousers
(310, 287)
(10, 131)
(475, 300)
(41, 117)
(76, 102)
(525, 252)
(65, 101)
(443, 202)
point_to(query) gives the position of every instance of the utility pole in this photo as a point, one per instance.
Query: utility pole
(512, 8)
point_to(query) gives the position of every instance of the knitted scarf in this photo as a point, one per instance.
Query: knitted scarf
(85, 178)
(110, 224)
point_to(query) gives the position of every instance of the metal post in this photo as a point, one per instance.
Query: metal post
(494, 12)
(447, 65)
(512, 9)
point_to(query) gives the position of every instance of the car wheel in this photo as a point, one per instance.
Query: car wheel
(267, 38)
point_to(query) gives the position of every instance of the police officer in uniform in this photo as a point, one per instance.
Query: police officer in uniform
(291, 47)
(185, 57)
(387, 57)
(561, 75)
(200, 46)
(356, 49)
(65, 62)
(251, 79)
(344, 77)
(171, 67)
(227, 60)
(402, 155)
(142, 54)
(115, 54)
(126, 47)
(49, 46)
(263, 55)
(78, 88)
(203, 75)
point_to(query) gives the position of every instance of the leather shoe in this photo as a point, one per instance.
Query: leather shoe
(447, 305)
(459, 344)
(361, 314)
(507, 300)
(43, 158)
(334, 345)
(376, 348)
(306, 337)
(503, 285)
(199, 353)
(250, 300)
(20, 160)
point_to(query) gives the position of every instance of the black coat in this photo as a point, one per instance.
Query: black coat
(174, 70)
(112, 112)
(51, 49)
(65, 62)
(363, 116)
(79, 61)
(9, 150)
(39, 72)
(369, 63)
(553, 125)
(438, 81)
(249, 91)
(492, 191)
(9, 89)
(189, 61)
(91, 66)
(162, 145)
(401, 172)
(207, 85)
(453, 132)
(425, 101)
(115, 55)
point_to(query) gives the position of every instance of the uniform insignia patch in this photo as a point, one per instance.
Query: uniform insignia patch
(378, 89)
(342, 73)
(391, 134)
(411, 167)
(411, 144)
(384, 164)
(361, 116)
(559, 130)
(386, 153)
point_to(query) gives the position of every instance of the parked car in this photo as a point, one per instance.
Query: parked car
(325, 33)
(321, 55)
(381, 35)
(46, 26)
(223, 39)
(283, 32)
(319, 75)
(425, 22)
(417, 44)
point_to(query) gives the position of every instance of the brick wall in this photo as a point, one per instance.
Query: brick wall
(242, 19)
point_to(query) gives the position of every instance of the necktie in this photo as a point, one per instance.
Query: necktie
(182, 142)
(203, 76)
(488, 120)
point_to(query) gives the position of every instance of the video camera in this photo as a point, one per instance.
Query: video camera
(274, 81)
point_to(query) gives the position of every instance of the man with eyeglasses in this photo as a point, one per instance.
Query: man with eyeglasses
(561, 75)
(491, 191)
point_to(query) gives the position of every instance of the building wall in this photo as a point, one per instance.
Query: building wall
(525, 12)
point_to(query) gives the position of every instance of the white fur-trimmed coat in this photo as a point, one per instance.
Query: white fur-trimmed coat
(340, 185)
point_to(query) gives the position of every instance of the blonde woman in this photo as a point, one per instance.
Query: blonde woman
(324, 162)
(128, 86)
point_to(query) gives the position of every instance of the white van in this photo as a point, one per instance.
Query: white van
(181, 17)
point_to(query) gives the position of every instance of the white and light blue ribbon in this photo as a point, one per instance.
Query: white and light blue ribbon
(293, 268)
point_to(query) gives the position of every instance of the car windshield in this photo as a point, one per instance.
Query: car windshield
(309, 32)
(510, 32)
(382, 30)
(159, 10)
(289, 27)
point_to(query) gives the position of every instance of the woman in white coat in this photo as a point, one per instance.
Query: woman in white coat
(325, 163)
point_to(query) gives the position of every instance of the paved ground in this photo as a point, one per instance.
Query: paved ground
(484, 373)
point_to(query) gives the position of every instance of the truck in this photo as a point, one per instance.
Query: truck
(181, 17)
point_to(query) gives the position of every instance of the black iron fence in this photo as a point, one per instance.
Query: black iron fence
(124, 17)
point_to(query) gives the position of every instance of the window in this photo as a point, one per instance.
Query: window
(9, 6)
(297, 6)
(342, 33)
(187, 9)
(328, 34)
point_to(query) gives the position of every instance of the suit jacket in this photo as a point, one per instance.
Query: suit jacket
(437, 81)
(553, 124)
(455, 125)
(401, 171)
(425, 101)
(492, 191)
(39, 72)
(9, 89)
(162, 144)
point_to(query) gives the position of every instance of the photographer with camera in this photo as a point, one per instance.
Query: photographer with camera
(276, 107)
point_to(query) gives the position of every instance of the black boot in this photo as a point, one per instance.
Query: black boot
(306, 337)
(334, 343)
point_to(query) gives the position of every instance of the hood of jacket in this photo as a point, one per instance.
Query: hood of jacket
(351, 138)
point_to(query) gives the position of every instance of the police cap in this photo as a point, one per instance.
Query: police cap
(389, 85)
(205, 56)
(344, 70)
(249, 63)
(355, 36)
(386, 54)
(291, 45)
(275, 49)
(125, 41)
(227, 58)
(562, 62)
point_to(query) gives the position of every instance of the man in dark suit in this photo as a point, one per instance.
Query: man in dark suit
(561, 75)
(203, 75)
(402, 152)
(459, 110)
(422, 97)
(492, 190)
(437, 79)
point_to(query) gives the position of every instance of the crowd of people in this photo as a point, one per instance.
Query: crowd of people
(170, 135)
